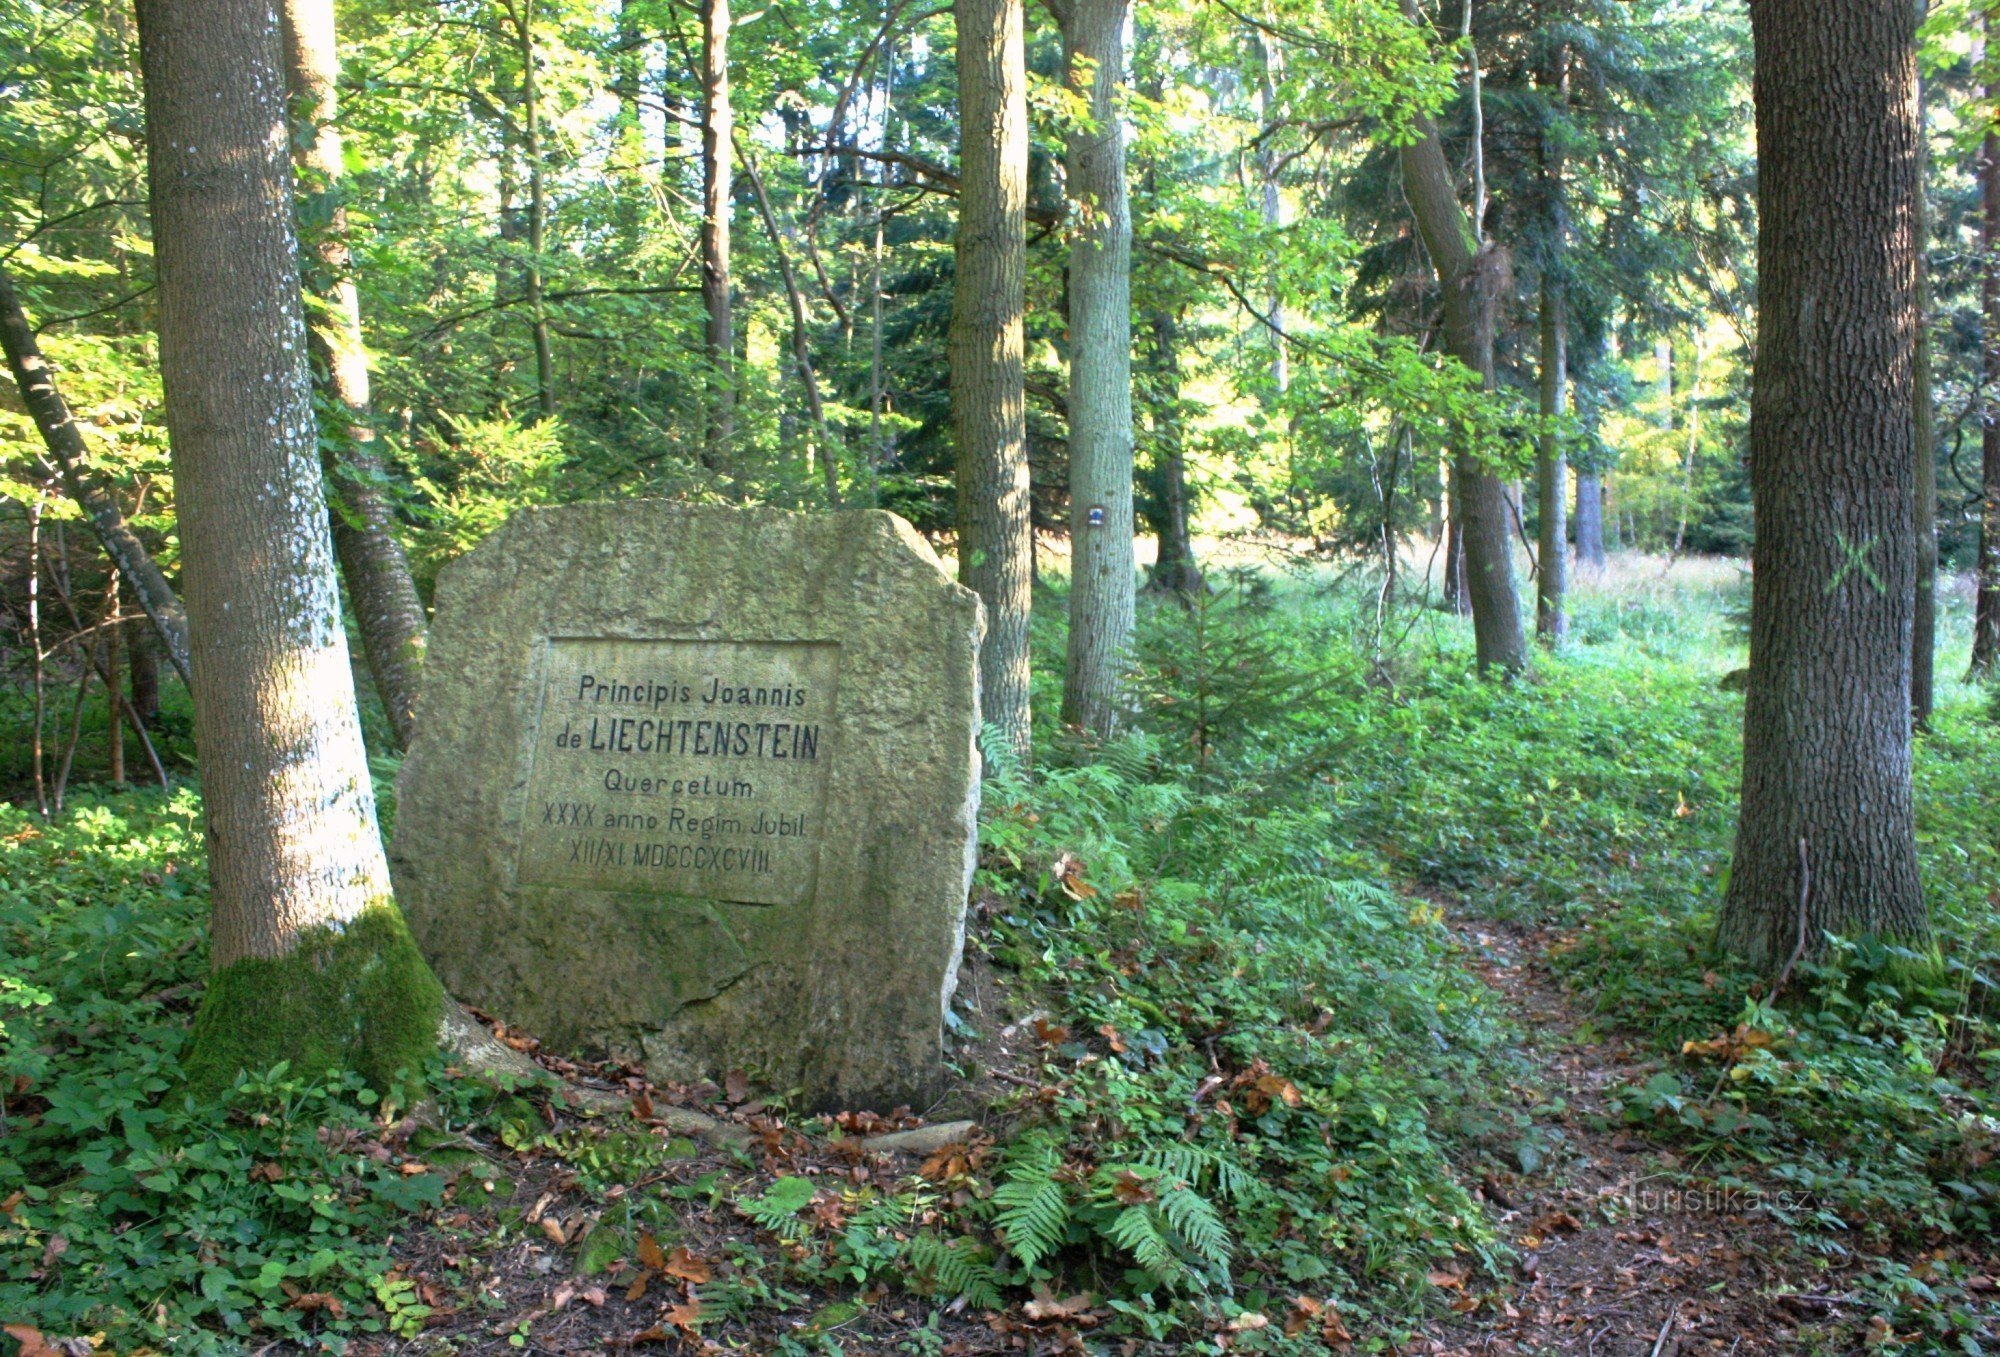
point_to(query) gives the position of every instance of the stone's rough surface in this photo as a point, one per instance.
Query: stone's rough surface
(698, 788)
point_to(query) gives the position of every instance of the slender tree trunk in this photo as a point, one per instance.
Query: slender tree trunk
(628, 71)
(37, 656)
(718, 134)
(311, 961)
(114, 684)
(996, 550)
(1453, 597)
(387, 611)
(1552, 472)
(1693, 447)
(1986, 606)
(538, 209)
(142, 653)
(1100, 369)
(1470, 281)
(1825, 839)
(1270, 68)
(1589, 520)
(801, 333)
(64, 441)
(1923, 618)
(1175, 569)
(879, 440)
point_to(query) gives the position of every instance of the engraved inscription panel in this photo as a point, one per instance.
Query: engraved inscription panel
(685, 767)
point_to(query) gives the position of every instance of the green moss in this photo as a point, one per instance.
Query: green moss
(359, 998)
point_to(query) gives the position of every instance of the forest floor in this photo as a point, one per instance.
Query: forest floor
(1624, 1247)
(1389, 1024)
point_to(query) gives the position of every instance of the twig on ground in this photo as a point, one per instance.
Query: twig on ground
(1667, 1327)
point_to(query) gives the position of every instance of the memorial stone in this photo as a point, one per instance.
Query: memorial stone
(697, 788)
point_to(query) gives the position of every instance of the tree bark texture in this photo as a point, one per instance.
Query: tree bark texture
(996, 554)
(718, 135)
(1470, 282)
(1589, 520)
(387, 611)
(1175, 569)
(290, 809)
(1825, 838)
(538, 210)
(1552, 473)
(1986, 605)
(1923, 618)
(1100, 370)
(64, 441)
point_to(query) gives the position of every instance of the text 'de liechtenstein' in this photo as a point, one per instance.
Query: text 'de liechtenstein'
(697, 767)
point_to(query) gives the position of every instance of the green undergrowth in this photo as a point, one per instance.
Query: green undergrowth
(1597, 796)
(129, 1208)
(1247, 1077)
(1238, 1030)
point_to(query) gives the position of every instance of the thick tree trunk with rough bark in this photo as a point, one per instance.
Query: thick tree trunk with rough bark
(311, 961)
(1471, 281)
(1589, 525)
(1923, 618)
(996, 552)
(387, 611)
(1552, 473)
(1986, 605)
(1100, 368)
(1825, 838)
(718, 135)
(36, 382)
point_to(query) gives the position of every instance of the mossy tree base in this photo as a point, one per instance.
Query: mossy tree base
(359, 997)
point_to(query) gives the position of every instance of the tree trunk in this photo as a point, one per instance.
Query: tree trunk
(311, 961)
(1100, 370)
(1589, 520)
(1923, 617)
(1552, 472)
(1986, 607)
(1825, 837)
(996, 550)
(64, 440)
(1175, 569)
(1453, 597)
(1270, 68)
(114, 686)
(1471, 283)
(538, 210)
(718, 134)
(142, 654)
(801, 334)
(1693, 447)
(387, 611)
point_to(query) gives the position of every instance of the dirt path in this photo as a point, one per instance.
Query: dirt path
(1622, 1250)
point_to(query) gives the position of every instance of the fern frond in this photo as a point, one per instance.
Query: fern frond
(1193, 1217)
(1137, 1231)
(1033, 1209)
(954, 1268)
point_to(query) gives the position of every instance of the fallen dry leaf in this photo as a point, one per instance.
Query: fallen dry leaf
(1131, 1189)
(684, 1265)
